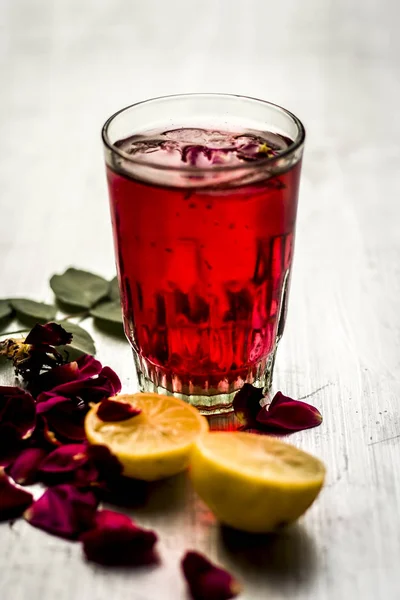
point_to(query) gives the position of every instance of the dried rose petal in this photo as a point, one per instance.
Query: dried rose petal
(207, 581)
(10, 444)
(246, 404)
(66, 405)
(122, 544)
(288, 415)
(65, 459)
(13, 499)
(114, 410)
(24, 469)
(85, 366)
(63, 510)
(17, 408)
(51, 334)
(101, 468)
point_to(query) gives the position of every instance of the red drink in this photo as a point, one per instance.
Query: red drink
(203, 223)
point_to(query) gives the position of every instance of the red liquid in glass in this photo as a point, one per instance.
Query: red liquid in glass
(204, 274)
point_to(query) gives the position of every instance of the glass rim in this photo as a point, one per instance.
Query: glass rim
(260, 163)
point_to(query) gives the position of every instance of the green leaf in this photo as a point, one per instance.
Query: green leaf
(113, 290)
(108, 311)
(5, 309)
(79, 288)
(82, 341)
(37, 311)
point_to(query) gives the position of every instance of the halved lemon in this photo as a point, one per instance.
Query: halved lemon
(252, 482)
(154, 444)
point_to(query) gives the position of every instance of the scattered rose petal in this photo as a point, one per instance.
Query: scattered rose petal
(37, 353)
(85, 366)
(10, 444)
(51, 334)
(63, 510)
(207, 581)
(246, 404)
(17, 408)
(117, 542)
(66, 405)
(64, 460)
(24, 470)
(100, 470)
(288, 415)
(13, 499)
(114, 410)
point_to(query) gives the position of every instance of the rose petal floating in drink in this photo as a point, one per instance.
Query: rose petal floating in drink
(13, 499)
(114, 410)
(63, 510)
(24, 470)
(288, 415)
(207, 581)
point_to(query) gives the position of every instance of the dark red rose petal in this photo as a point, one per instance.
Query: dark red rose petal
(126, 545)
(65, 459)
(17, 408)
(24, 470)
(84, 367)
(10, 444)
(13, 500)
(107, 465)
(63, 510)
(246, 404)
(50, 334)
(287, 415)
(114, 410)
(207, 581)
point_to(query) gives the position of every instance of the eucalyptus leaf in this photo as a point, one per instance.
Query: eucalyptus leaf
(5, 309)
(79, 288)
(108, 311)
(113, 290)
(82, 341)
(37, 311)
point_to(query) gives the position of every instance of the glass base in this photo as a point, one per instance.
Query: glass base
(209, 399)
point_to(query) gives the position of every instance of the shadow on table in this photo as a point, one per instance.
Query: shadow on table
(287, 560)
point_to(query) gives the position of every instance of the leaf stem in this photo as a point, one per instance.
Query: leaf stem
(13, 332)
(82, 315)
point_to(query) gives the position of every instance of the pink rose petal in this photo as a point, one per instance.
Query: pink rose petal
(24, 470)
(13, 500)
(63, 510)
(287, 415)
(119, 543)
(207, 581)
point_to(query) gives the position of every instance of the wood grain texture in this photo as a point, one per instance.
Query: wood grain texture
(66, 66)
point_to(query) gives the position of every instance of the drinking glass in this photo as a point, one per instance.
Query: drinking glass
(204, 253)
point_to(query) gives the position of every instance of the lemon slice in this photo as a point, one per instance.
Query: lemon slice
(254, 482)
(154, 444)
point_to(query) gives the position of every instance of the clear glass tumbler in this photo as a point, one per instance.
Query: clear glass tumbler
(203, 193)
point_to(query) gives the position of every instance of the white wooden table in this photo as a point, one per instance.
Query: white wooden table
(65, 66)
